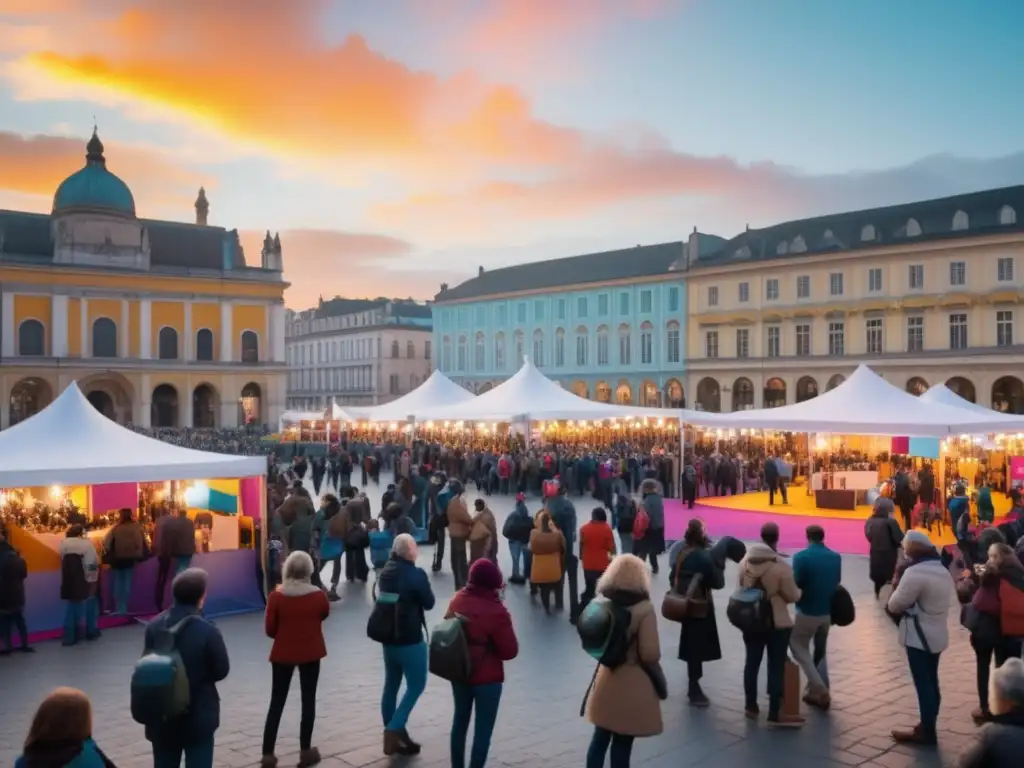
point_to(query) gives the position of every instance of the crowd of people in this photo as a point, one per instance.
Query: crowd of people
(784, 606)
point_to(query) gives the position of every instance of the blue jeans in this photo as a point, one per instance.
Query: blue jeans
(518, 551)
(486, 699)
(410, 662)
(180, 564)
(77, 611)
(122, 588)
(197, 755)
(626, 542)
(924, 669)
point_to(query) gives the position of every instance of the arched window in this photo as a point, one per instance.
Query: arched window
(104, 338)
(602, 345)
(581, 347)
(742, 394)
(462, 354)
(394, 349)
(538, 348)
(867, 233)
(913, 228)
(625, 345)
(204, 345)
(646, 344)
(672, 351)
(250, 347)
(168, 343)
(1007, 216)
(410, 350)
(799, 245)
(499, 351)
(31, 339)
(446, 353)
(479, 353)
(961, 221)
(559, 348)
(520, 347)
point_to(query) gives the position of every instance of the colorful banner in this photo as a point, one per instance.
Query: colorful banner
(900, 446)
(924, 447)
(249, 494)
(114, 496)
(1017, 469)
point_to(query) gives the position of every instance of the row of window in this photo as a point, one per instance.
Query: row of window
(32, 342)
(837, 287)
(874, 329)
(349, 349)
(355, 379)
(582, 350)
(337, 322)
(583, 308)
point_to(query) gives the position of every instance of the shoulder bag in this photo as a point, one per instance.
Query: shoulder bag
(693, 604)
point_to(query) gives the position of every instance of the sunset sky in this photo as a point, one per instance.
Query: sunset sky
(396, 144)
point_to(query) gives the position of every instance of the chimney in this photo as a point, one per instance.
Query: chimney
(480, 272)
(202, 208)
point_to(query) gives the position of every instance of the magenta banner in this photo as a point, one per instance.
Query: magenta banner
(249, 493)
(1017, 468)
(115, 496)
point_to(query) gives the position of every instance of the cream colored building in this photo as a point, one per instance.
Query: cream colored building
(924, 293)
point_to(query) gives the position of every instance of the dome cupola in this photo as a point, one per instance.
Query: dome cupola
(94, 188)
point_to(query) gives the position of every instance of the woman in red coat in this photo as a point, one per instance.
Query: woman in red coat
(295, 614)
(492, 642)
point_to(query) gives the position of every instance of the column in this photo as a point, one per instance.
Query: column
(227, 339)
(7, 325)
(123, 334)
(190, 341)
(143, 414)
(83, 304)
(186, 401)
(59, 326)
(146, 334)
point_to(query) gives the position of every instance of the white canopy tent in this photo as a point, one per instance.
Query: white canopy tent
(335, 412)
(940, 393)
(864, 404)
(71, 443)
(294, 417)
(438, 391)
(531, 394)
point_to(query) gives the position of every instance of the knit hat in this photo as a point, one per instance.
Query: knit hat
(485, 574)
(917, 537)
(520, 497)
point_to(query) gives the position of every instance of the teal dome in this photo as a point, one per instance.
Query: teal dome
(94, 187)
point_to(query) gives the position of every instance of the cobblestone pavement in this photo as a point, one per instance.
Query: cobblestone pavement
(539, 721)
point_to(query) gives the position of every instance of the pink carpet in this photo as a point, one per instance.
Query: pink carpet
(845, 536)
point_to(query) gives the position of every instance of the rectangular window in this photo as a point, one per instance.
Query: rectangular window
(602, 305)
(803, 340)
(744, 293)
(499, 352)
(646, 302)
(521, 312)
(673, 299)
(561, 309)
(1004, 269)
(711, 345)
(625, 348)
(560, 350)
(915, 277)
(481, 316)
(873, 328)
(915, 334)
(602, 348)
(581, 350)
(803, 287)
(673, 345)
(623, 303)
(835, 284)
(502, 314)
(581, 306)
(538, 351)
(713, 296)
(958, 273)
(1004, 328)
(393, 383)
(464, 317)
(875, 280)
(538, 310)
(836, 338)
(742, 342)
(646, 347)
(774, 339)
(958, 331)
(771, 289)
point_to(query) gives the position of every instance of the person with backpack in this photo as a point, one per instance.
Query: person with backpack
(294, 621)
(490, 641)
(624, 701)
(517, 529)
(61, 734)
(397, 623)
(547, 548)
(760, 610)
(174, 685)
(625, 515)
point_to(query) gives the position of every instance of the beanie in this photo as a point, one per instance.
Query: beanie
(485, 574)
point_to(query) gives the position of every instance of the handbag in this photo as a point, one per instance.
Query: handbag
(678, 607)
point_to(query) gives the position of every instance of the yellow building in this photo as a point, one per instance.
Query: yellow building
(924, 293)
(161, 323)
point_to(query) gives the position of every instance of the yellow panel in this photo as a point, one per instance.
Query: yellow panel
(80, 496)
(134, 348)
(169, 313)
(208, 316)
(33, 308)
(248, 317)
(74, 327)
(229, 487)
(149, 283)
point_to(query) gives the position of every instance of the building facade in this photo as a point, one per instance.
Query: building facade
(607, 326)
(161, 323)
(357, 352)
(925, 293)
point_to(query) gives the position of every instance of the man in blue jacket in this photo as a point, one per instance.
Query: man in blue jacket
(818, 572)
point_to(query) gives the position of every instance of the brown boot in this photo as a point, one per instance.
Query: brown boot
(308, 757)
(915, 736)
(392, 742)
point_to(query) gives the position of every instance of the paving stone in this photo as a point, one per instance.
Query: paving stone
(539, 722)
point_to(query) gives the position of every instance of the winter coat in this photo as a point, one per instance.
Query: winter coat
(177, 537)
(998, 744)
(125, 545)
(698, 638)
(205, 656)
(764, 566)
(518, 525)
(548, 550)
(79, 568)
(483, 536)
(460, 523)
(563, 515)
(925, 590)
(294, 618)
(488, 628)
(64, 755)
(623, 699)
(415, 597)
(597, 546)
(13, 572)
(884, 541)
(818, 571)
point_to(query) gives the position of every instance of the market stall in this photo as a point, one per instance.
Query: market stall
(69, 464)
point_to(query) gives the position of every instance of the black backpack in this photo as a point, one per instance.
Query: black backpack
(750, 610)
(160, 689)
(626, 517)
(603, 628)
(449, 651)
(843, 610)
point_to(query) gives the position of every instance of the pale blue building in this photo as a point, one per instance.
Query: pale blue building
(608, 326)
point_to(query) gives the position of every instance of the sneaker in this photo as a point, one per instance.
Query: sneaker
(697, 698)
(786, 721)
(916, 735)
(308, 757)
(332, 594)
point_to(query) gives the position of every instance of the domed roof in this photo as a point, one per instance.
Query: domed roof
(94, 187)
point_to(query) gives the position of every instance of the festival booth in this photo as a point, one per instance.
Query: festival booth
(70, 464)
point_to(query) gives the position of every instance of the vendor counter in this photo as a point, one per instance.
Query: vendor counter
(843, 480)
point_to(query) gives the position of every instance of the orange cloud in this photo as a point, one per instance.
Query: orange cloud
(35, 165)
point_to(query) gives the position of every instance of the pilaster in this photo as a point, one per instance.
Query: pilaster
(123, 336)
(7, 326)
(59, 326)
(189, 345)
(146, 335)
(227, 337)
(86, 348)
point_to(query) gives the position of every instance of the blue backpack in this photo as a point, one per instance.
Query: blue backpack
(159, 687)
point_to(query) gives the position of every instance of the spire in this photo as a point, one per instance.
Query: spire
(94, 150)
(202, 207)
(277, 243)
